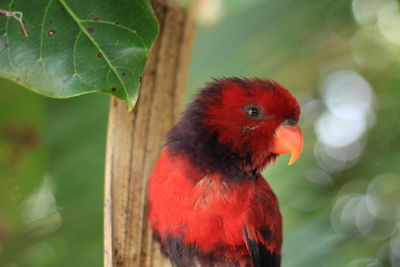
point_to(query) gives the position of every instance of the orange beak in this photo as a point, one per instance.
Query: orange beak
(288, 139)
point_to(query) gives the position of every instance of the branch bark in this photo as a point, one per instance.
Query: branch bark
(135, 139)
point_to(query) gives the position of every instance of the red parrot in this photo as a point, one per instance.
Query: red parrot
(209, 205)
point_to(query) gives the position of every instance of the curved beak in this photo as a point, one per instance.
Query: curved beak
(288, 139)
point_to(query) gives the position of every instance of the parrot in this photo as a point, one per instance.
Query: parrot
(208, 204)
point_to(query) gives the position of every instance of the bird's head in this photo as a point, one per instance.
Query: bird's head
(247, 122)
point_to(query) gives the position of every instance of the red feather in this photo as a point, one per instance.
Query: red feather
(210, 212)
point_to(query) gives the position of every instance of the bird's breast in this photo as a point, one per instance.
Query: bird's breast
(206, 210)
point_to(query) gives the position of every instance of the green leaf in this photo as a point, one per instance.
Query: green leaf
(76, 47)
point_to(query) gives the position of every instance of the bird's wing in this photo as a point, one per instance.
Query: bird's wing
(260, 255)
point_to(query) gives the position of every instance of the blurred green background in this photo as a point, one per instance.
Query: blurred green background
(340, 201)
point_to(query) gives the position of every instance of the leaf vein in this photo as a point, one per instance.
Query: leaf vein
(42, 28)
(74, 52)
(112, 24)
(79, 23)
(8, 40)
(134, 32)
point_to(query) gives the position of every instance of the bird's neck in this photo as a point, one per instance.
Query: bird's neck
(208, 155)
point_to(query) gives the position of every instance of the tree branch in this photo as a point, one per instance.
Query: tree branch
(135, 140)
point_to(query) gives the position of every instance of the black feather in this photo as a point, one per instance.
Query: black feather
(188, 255)
(260, 256)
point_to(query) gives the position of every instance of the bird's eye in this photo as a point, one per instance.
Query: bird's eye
(253, 112)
